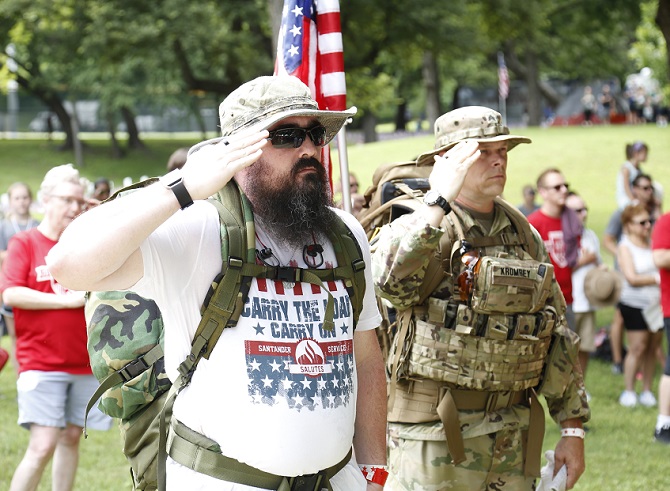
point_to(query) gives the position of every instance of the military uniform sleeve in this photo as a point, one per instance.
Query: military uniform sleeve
(400, 259)
(562, 382)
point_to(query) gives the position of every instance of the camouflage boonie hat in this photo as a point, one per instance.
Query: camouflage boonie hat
(469, 123)
(264, 101)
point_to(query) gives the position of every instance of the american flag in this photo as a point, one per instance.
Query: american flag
(503, 77)
(310, 48)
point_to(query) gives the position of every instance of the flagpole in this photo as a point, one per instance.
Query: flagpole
(502, 104)
(344, 168)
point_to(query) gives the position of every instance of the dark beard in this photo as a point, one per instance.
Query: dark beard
(289, 212)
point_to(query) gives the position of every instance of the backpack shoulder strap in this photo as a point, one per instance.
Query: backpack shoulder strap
(223, 303)
(350, 264)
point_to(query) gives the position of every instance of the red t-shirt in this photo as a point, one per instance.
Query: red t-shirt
(47, 340)
(551, 231)
(660, 239)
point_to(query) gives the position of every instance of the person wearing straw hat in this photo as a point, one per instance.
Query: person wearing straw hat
(473, 287)
(166, 245)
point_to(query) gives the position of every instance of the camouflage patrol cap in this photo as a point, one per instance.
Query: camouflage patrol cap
(469, 123)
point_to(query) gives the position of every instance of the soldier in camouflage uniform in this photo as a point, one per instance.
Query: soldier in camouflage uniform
(467, 364)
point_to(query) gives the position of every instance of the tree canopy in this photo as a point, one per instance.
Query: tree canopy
(399, 56)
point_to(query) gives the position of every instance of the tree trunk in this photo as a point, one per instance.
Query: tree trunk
(456, 97)
(401, 116)
(534, 98)
(432, 83)
(117, 152)
(369, 123)
(521, 71)
(200, 121)
(663, 22)
(133, 133)
(65, 122)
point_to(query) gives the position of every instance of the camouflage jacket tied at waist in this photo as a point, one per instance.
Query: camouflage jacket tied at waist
(399, 265)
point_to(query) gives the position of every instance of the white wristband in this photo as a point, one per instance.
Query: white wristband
(577, 432)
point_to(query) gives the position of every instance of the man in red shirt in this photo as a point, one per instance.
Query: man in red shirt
(560, 228)
(660, 244)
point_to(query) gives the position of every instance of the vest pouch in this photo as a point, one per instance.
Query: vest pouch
(475, 362)
(507, 286)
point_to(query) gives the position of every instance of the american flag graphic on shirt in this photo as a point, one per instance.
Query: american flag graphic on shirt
(291, 359)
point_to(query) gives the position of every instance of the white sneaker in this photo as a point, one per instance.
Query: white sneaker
(647, 399)
(628, 398)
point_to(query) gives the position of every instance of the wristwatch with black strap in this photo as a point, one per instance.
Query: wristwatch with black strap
(433, 198)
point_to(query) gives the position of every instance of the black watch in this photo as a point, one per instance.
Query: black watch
(433, 198)
(172, 180)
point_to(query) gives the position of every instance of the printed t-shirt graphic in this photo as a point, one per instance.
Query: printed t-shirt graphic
(291, 359)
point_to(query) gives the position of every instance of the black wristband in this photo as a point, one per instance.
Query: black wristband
(173, 181)
(182, 194)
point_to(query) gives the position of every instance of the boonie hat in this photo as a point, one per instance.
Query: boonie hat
(469, 123)
(602, 287)
(263, 101)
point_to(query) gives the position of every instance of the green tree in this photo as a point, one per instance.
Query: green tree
(131, 54)
(562, 39)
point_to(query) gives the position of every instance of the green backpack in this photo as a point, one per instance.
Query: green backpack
(125, 332)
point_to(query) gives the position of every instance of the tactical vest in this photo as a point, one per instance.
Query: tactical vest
(484, 346)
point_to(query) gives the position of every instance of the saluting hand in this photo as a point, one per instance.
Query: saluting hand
(450, 170)
(211, 167)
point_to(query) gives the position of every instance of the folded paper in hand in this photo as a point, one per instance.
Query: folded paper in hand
(547, 480)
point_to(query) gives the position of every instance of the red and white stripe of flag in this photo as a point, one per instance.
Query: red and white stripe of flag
(333, 85)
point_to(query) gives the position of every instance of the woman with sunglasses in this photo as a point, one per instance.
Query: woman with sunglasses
(639, 304)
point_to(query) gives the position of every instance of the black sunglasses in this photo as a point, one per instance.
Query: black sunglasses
(295, 137)
(558, 187)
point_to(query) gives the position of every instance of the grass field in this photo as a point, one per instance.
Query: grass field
(619, 448)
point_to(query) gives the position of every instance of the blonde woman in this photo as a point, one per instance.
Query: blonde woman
(55, 379)
(639, 304)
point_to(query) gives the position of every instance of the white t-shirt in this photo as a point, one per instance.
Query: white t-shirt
(278, 392)
(622, 199)
(639, 297)
(589, 242)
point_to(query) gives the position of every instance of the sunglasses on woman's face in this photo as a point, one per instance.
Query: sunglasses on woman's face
(295, 137)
